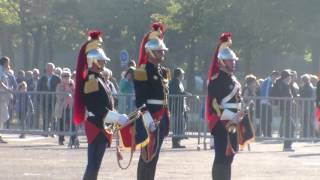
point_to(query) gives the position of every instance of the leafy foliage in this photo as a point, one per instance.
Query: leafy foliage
(266, 34)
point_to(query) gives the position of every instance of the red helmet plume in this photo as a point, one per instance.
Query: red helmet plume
(94, 34)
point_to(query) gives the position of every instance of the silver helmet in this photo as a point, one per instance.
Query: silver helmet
(155, 45)
(227, 54)
(96, 55)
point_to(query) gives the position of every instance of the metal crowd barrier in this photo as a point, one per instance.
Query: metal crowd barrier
(186, 115)
(187, 118)
(36, 113)
(283, 118)
(273, 118)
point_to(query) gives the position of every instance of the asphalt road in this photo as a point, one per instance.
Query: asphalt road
(37, 157)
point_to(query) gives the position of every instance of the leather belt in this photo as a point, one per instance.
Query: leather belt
(155, 102)
(230, 106)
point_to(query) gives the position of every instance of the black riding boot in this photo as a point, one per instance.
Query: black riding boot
(90, 175)
(221, 172)
(147, 171)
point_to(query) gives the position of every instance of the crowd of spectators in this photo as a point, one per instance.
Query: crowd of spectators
(23, 108)
(30, 109)
(279, 90)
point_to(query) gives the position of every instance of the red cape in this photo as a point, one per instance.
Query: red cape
(78, 106)
(214, 69)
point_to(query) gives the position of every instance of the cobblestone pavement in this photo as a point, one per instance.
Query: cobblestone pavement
(37, 157)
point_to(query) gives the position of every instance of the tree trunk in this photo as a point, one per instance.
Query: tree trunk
(315, 57)
(190, 74)
(25, 48)
(37, 37)
(50, 36)
(2, 35)
(247, 63)
(6, 43)
(24, 34)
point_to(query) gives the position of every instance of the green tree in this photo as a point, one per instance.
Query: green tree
(8, 23)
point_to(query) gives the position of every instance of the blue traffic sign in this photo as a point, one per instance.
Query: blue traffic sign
(124, 56)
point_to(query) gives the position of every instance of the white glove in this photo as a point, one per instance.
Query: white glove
(237, 117)
(114, 117)
(148, 121)
(123, 118)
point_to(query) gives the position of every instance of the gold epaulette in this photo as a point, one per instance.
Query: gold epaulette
(140, 74)
(215, 76)
(91, 85)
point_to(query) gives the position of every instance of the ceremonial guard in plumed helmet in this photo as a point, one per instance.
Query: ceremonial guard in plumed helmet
(94, 96)
(223, 108)
(151, 88)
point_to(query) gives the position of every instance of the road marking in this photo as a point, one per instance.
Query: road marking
(27, 139)
(31, 174)
(311, 163)
(15, 138)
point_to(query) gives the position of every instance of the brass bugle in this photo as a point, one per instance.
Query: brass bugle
(133, 116)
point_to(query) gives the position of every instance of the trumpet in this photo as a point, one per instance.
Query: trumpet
(133, 116)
